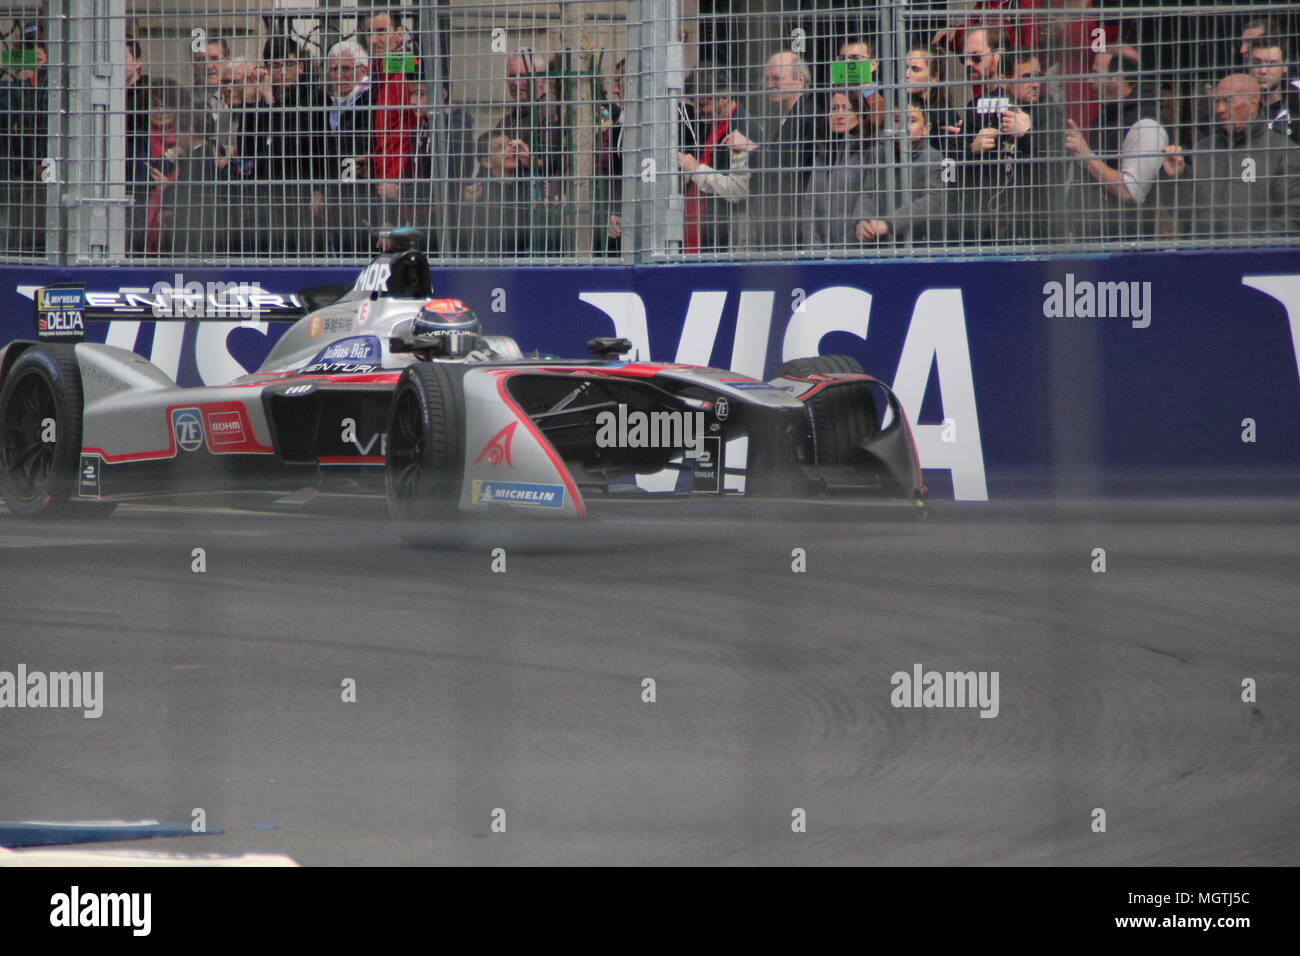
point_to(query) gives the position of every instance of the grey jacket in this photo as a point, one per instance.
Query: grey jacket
(1221, 193)
(832, 194)
(908, 194)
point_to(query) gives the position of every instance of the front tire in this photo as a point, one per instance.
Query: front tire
(425, 459)
(40, 435)
(839, 418)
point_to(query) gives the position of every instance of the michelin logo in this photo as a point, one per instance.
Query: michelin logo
(517, 493)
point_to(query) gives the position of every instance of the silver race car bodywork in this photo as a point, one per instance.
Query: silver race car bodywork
(532, 434)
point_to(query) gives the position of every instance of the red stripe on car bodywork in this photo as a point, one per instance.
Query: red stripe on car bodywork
(249, 446)
(541, 440)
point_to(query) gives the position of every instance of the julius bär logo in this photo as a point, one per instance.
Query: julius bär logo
(497, 449)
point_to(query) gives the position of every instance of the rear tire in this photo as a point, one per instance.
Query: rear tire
(839, 418)
(425, 463)
(40, 435)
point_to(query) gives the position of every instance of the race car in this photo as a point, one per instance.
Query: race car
(384, 389)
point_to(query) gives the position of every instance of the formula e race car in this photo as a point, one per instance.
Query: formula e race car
(387, 390)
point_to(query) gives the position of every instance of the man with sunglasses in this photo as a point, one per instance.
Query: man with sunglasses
(1012, 148)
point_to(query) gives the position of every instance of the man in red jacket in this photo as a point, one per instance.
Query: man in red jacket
(392, 71)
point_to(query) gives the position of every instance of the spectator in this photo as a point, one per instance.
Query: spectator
(23, 145)
(392, 63)
(923, 76)
(138, 86)
(838, 175)
(1243, 179)
(136, 78)
(345, 199)
(1121, 155)
(982, 55)
(1036, 197)
(496, 214)
(445, 159)
(385, 34)
(291, 115)
(243, 91)
(199, 217)
(715, 164)
(1020, 30)
(609, 159)
(904, 196)
(166, 102)
(1251, 31)
(1279, 96)
(210, 76)
(781, 165)
(279, 116)
(535, 118)
(1016, 138)
(538, 121)
(861, 48)
(457, 128)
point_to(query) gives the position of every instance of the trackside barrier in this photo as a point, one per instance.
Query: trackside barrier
(1141, 374)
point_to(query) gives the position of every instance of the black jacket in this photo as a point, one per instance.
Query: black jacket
(1013, 190)
(1284, 116)
(275, 142)
(500, 221)
(781, 166)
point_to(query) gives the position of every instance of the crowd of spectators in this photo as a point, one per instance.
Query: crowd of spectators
(1024, 131)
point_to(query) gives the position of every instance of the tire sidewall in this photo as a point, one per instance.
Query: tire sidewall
(64, 381)
(442, 464)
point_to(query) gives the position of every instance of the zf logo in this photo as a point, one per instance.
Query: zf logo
(187, 426)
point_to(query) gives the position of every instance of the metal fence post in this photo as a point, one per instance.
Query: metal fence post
(665, 79)
(430, 45)
(893, 47)
(56, 166)
(96, 133)
(633, 85)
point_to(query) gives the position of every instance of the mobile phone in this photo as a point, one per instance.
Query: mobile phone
(851, 72)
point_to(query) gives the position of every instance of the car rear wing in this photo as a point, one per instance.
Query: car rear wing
(61, 311)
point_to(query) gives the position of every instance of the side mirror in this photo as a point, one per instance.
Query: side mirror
(400, 338)
(609, 346)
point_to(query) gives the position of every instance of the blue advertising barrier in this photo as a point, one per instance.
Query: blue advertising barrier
(1144, 374)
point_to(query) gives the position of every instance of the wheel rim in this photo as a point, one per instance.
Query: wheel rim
(406, 453)
(27, 460)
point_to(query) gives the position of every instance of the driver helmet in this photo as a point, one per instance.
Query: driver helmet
(446, 327)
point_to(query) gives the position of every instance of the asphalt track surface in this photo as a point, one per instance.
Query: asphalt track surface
(523, 690)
